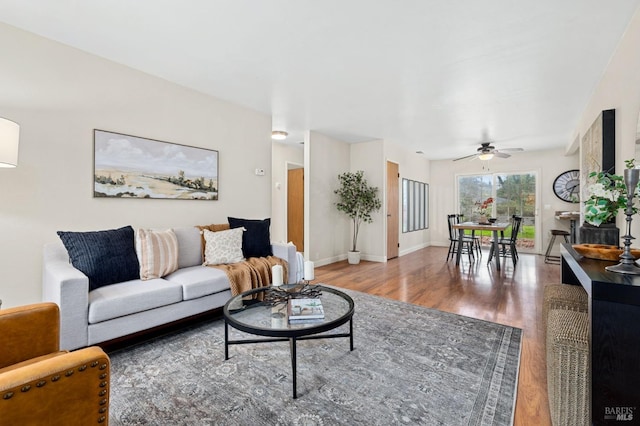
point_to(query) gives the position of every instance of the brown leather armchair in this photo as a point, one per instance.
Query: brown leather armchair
(41, 385)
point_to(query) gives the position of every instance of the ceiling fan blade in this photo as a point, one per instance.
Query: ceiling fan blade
(501, 154)
(512, 149)
(466, 156)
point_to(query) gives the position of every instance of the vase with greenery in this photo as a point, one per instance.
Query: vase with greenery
(607, 195)
(357, 199)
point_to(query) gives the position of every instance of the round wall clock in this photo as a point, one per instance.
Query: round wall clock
(567, 186)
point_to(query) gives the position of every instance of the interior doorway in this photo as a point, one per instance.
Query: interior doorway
(393, 207)
(295, 206)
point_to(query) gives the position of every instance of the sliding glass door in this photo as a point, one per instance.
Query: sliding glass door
(512, 194)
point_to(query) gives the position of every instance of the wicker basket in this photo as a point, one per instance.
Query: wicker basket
(568, 376)
(563, 296)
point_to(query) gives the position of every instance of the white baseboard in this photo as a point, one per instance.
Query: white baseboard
(414, 248)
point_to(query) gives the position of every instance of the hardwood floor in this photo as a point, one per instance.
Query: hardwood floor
(512, 297)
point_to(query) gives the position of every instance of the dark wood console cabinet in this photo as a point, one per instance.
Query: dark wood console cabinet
(614, 331)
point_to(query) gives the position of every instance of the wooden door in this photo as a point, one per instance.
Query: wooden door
(393, 224)
(295, 207)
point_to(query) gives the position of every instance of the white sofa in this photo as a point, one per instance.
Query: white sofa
(91, 317)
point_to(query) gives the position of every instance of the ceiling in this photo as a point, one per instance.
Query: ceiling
(432, 75)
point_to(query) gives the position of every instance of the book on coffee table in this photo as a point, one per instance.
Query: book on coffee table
(305, 309)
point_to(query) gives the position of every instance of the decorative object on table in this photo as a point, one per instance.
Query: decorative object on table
(603, 251)
(305, 309)
(567, 186)
(283, 293)
(357, 200)
(483, 209)
(598, 147)
(133, 167)
(309, 271)
(9, 141)
(627, 263)
(276, 275)
(606, 196)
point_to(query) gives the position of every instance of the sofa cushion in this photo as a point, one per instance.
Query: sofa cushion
(199, 281)
(256, 241)
(105, 257)
(214, 227)
(223, 247)
(130, 297)
(189, 246)
(157, 252)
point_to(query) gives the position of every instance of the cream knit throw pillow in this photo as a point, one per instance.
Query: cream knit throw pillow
(223, 246)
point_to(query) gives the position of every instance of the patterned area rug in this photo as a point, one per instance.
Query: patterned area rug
(410, 366)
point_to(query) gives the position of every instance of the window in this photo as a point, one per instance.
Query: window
(415, 205)
(513, 194)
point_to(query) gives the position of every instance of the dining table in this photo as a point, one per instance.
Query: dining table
(475, 226)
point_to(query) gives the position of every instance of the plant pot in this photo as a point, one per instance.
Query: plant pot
(607, 233)
(353, 257)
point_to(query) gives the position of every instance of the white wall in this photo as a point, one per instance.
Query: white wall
(283, 155)
(619, 88)
(326, 229)
(58, 95)
(369, 157)
(548, 164)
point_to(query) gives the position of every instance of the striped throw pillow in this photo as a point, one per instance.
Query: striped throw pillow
(157, 252)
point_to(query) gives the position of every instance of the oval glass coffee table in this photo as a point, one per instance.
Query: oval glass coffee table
(245, 313)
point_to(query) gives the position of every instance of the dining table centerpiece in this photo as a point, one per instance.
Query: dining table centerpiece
(483, 210)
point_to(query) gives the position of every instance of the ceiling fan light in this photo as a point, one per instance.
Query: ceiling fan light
(486, 156)
(279, 135)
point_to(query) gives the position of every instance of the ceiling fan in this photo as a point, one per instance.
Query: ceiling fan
(487, 151)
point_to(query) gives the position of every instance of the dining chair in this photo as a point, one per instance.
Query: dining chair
(508, 245)
(467, 242)
(476, 239)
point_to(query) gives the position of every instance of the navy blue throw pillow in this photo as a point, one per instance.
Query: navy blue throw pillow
(106, 257)
(256, 240)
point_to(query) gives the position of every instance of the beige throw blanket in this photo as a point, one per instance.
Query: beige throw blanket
(253, 272)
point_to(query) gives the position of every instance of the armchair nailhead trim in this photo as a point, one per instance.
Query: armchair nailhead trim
(103, 393)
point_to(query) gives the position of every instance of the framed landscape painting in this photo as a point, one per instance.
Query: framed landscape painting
(128, 166)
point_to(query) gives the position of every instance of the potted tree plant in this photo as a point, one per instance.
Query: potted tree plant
(357, 200)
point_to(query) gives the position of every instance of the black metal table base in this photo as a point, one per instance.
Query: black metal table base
(292, 346)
